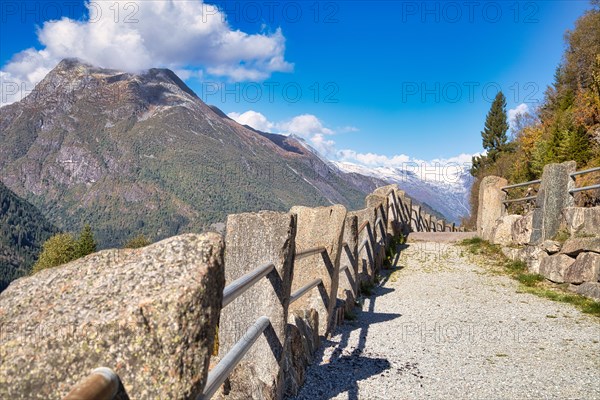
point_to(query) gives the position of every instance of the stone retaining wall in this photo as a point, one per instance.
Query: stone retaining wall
(154, 314)
(555, 239)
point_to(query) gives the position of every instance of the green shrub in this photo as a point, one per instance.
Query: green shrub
(58, 250)
(137, 242)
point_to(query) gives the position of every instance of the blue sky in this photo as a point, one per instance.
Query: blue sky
(381, 82)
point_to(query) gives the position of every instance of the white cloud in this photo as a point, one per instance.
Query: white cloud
(322, 145)
(306, 126)
(373, 160)
(514, 112)
(253, 119)
(182, 35)
(313, 130)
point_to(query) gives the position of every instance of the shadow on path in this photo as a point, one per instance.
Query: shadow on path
(350, 364)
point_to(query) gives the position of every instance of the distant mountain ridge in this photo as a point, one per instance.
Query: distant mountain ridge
(449, 196)
(141, 153)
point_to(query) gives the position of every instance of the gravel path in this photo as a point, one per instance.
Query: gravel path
(441, 327)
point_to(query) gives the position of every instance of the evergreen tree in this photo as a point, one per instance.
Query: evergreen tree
(58, 250)
(86, 243)
(496, 125)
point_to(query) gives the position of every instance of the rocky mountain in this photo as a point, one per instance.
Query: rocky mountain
(23, 230)
(141, 153)
(447, 193)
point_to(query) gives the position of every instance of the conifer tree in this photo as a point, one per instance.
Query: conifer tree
(496, 125)
(86, 243)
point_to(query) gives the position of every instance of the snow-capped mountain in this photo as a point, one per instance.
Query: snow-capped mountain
(444, 188)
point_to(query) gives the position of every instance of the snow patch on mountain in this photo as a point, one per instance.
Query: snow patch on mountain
(445, 188)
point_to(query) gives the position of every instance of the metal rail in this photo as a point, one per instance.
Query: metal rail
(218, 374)
(581, 189)
(522, 184)
(101, 384)
(585, 171)
(240, 285)
(310, 252)
(302, 291)
(520, 199)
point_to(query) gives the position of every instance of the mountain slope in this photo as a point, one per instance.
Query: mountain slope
(131, 153)
(23, 230)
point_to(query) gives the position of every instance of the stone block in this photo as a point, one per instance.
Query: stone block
(348, 282)
(586, 268)
(550, 246)
(589, 289)
(319, 227)
(582, 221)
(503, 229)
(574, 246)
(253, 240)
(150, 314)
(532, 256)
(552, 198)
(521, 229)
(303, 338)
(491, 207)
(366, 256)
(554, 267)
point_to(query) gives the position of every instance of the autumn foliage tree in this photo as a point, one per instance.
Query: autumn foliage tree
(566, 126)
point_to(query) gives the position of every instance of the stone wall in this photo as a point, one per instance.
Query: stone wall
(155, 315)
(150, 314)
(555, 239)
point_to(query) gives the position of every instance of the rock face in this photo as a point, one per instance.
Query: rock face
(150, 314)
(502, 231)
(582, 221)
(252, 240)
(575, 246)
(318, 227)
(552, 198)
(521, 230)
(586, 268)
(554, 267)
(490, 205)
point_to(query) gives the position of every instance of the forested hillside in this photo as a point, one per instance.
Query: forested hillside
(23, 230)
(565, 127)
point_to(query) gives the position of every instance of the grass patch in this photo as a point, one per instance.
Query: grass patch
(530, 283)
(562, 236)
(529, 280)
